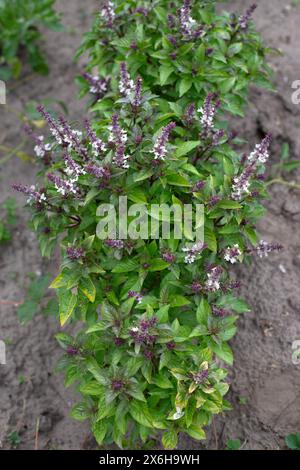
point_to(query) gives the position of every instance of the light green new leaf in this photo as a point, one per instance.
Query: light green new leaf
(170, 440)
(67, 303)
(99, 430)
(88, 289)
(186, 147)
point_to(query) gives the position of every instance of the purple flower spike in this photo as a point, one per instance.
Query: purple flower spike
(219, 312)
(73, 138)
(98, 171)
(41, 148)
(264, 248)
(107, 13)
(148, 354)
(98, 85)
(196, 287)
(193, 252)
(171, 21)
(160, 146)
(55, 129)
(172, 40)
(126, 85)
(261, 151)
(260, 154)
(118, 138)
(137, 96)
(208, 112)
(232, 254)
(245, 19)
(72, 168)
(64, 187)
(213, 279)
(135, 295)
(189, 28)
(34, 195)
(142, 11)
(189, 114)
(118, 244)
(98, 146)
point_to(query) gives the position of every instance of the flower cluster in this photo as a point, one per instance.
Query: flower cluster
(241, 184)
(137, 95)
(126, 84)
(41, 148)
(63, 134)
(64, 187)
(135, 295)
(198, 186)
(118, 137)
(232, 254)
(193, 252)
(107, 13)
(219, 312)
(98, 146)
(261, 152)
(98, 85)
(244, 19)
(142, 11)
(208, 112)
(118, 244)
(171, 21)
(201, 376)
(38, 197)
(189, 114)
(264, 248)
(189, 28)
(117, 385)
(99, 172)
(142, 333)
(212, 283)
(168, 256)
(74, 253)
(72, 168)
(160, 146)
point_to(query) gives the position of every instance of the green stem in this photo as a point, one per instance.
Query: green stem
(290, 184)
(11, 152)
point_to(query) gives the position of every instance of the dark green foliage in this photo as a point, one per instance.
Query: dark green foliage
(21, 25)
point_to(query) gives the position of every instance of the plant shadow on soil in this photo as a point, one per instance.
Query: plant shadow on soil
(265, 388)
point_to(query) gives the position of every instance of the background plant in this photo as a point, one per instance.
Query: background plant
(7, 219)
(35, 299)
(293, 441)
(182, 49)
(21, 23)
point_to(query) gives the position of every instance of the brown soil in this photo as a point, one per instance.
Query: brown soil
(265, 387)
